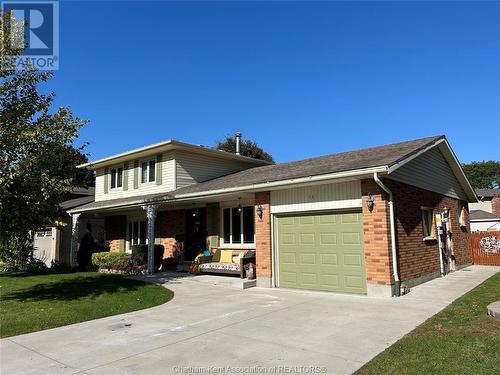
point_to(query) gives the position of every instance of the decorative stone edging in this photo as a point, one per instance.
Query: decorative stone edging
(494, 309)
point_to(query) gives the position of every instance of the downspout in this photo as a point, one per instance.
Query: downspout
(397, 283)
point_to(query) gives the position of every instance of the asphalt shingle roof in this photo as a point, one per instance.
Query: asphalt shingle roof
(333, 163)
(481, 215)
(386, 155)
(487, 192)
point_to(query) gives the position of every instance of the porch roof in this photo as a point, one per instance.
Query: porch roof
(333, 166)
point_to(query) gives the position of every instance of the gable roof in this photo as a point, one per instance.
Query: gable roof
(366, 161)
(382, 157)
(168, 145)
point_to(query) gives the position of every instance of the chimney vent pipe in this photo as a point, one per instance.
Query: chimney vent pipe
(238, 143)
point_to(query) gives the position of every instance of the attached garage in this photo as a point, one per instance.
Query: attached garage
(321, 251)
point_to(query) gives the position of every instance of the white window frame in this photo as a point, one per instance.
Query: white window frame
(230, 244)
(129, 235)
(431, 235)
(117, 167)
(148, 171)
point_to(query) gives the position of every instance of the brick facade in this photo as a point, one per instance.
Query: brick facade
(115, 227)
(376, 231)
(495, 206)
(416, 258)
(263, 236)
(170, 229)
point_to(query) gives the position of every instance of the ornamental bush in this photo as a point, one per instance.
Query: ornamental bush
(113, 261)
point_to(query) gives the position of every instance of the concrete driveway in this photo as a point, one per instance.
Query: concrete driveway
(208, 327)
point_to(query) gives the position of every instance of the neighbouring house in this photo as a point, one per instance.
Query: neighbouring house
(52, 243)
(485, 214)
(322, 223)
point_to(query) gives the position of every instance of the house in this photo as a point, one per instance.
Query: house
(356, 222)
(52, 243)
(485, 214)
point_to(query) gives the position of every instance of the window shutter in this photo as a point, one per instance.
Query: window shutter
(125, 176)
(136, 174)
(159, 166)
(106, 180)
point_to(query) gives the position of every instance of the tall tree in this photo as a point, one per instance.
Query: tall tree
(483, 174)
(38, 158)
(247, 148)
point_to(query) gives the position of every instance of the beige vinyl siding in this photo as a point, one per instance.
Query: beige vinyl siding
(192, 168)
(343, 195)
(168, 181)
(483, 206)
(430, 171)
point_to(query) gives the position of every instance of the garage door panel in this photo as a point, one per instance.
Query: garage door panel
(351, 238)
(328, 259)
(307, 239)
(328, 238)
(308, 259)
(288, 278)
(352, 260)
(306, 220)
(288, 258)
(310, 279)
(354, 282)
(353, 218)
(322, 252)
(328, 281)
(327, 219)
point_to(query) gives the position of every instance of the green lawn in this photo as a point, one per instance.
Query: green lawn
(30, 303)
(461, 339)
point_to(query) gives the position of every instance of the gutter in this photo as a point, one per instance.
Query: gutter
(396, 290)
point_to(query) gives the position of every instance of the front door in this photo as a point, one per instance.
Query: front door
(196, 232)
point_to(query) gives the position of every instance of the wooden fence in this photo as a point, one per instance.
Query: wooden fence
(486, 248)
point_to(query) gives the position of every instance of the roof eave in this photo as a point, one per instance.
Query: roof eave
(266, 186)
(165, 146)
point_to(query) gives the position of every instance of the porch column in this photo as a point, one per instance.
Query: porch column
(151, 210)
(74, 239)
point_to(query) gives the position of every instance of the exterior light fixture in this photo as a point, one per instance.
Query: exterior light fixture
(446, 212)
(370, 202)
(239, 205)
(260, 211)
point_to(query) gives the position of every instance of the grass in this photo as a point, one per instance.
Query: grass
(30, 303)
(461, 339)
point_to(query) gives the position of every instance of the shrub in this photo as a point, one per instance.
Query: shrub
(113, 261)
(16, 252)
(140, 255)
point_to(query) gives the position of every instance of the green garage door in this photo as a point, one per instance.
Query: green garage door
(323, 252)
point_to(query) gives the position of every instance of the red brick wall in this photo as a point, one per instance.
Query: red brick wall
(114, 227)
(168, 225)
(495, 206)
(417, 258)
(263, 235)
(377, 239)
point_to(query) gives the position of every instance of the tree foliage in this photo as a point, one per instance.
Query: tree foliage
(483, 174)
(247, 148)
(37, 156)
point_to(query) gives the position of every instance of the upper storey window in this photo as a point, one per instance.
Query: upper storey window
(148, 169)
(116, 178)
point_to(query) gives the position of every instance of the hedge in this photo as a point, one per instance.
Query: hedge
(113, 261)
(140, 255)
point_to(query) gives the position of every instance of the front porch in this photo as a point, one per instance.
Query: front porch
(187, 229)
